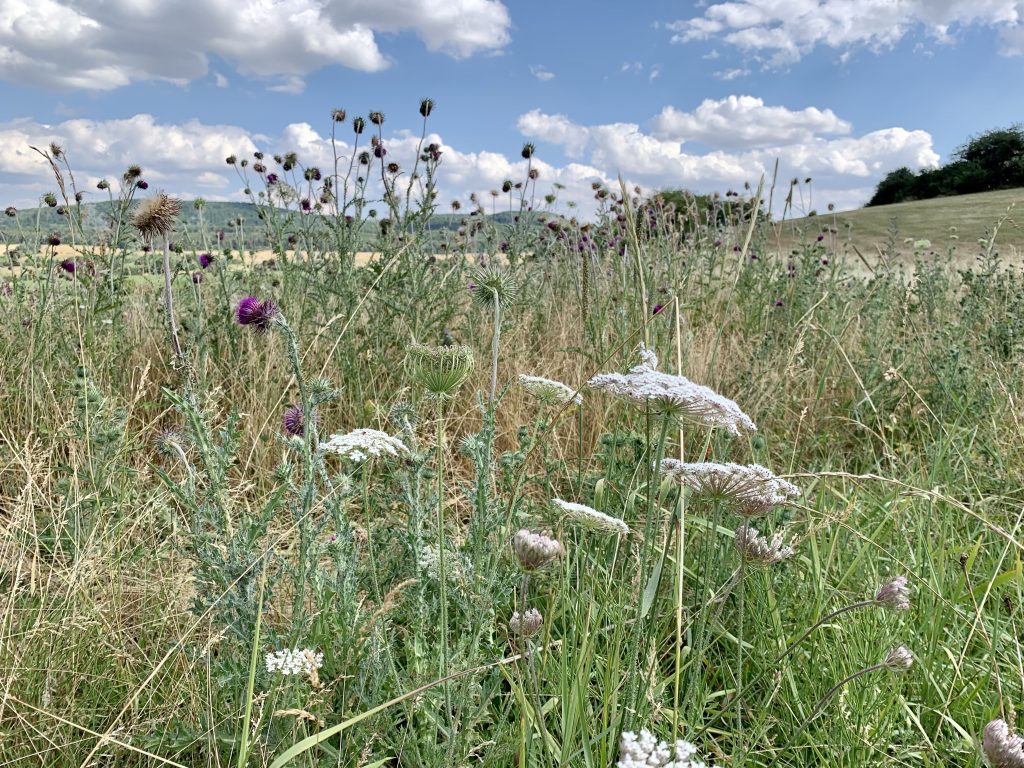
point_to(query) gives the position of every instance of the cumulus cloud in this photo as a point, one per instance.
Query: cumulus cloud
(785, 30)
(106, 44)
(745, 121)
(744, 138)
(541, 73)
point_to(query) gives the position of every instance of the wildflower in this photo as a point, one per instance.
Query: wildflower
(294, 420)
(50, 199)
(671, 395)
(102, 184)
(156, 215)
(377, 118)
(426, 107)
(11, 211)
(68, 265)
(645, 749)
(750, 488)
(1001, 748)
(379, 151)
(588, 517)
(549, 391)
(527, 624)
(133, 172)
(338, 115)
(441, 370)
(294, 661)
(358, 124)
(900, 659)
(142, 184)
(170, 441)
(360, 444)
(261, 315)
(535, 550)
(756, 549)
(54, 240)
(527, 152)
(205, 260)
(271, 178)
(894, 594)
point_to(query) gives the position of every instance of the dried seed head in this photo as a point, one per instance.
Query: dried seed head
(759, 550)
(11, 211)
(900, 659)
(170, 441)
(377, 118)
(1002, 748)
(156, 215)
(338, 115)
(535, 550)
(527, 624)
(894, 594)
(443, 369)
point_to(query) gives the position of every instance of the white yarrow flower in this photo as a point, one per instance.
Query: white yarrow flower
(750, 488)
(672, 395)
(549, 391)
(294, 661)
(645, 750)
(360, 444)
(588, 517)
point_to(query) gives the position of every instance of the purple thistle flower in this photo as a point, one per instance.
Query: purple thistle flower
(271, 178)
(205, 260)
(778, 303)
(820, 238)
(259, 314)
(379, 151)
(68, 265)
(142, 184)
(294, 421)
(657, 308)
(54, 240)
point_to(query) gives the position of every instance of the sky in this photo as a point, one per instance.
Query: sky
(704, 96)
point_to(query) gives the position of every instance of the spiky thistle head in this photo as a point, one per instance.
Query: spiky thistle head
(156, 215)
(443, 369)
(338, 115)
(260, 315)
(426, 107)
(377, 118)
(494, 284)
(528, 150)
(294, 420)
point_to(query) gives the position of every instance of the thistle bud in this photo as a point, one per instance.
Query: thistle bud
(527, 152)
(338, 115)
(377, 118)
(426, 107)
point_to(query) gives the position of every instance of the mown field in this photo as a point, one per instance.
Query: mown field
(171, 525)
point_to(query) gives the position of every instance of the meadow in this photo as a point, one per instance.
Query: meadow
(639, 479)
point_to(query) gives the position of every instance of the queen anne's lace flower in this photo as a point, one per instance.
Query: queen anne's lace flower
(294, 661)
(361, 444)
(535, 550)
(672, 395)
(759, 550)
(526, 624)
(894, 594)
(1002, 749)
(549, 391)
(588, 517)
(750, 489)
(900, 659)
(645, 750)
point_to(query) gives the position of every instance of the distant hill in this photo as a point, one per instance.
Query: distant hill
(40, 223)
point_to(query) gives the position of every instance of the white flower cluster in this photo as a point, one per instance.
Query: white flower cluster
(360, 444)
(294, 661)
(535, 550)
(456, 566)
(672, 395)
(1002, 748)
(588, 517)
(549, 391)
(645, 749)
(752, 489)
(759, 550)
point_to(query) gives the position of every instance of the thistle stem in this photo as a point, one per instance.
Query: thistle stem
(442, 565)
(495, 341)
(169, 298)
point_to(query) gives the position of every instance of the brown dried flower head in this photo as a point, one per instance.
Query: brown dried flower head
(156, 215)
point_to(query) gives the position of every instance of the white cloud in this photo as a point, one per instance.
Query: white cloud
(745, 121)
(786, 30)
(655, 73)
(554, 129)
(745, 138)
(106, 44)
(731, 74)
(541, 73)
(220, 80)
(187, 159)
(292, 85)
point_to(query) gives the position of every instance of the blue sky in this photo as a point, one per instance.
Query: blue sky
(669, 94)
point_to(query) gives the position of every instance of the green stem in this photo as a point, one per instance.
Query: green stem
(495, 341)
(442, 565)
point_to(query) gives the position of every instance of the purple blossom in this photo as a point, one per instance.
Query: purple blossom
(259, 314)
(778, 303)
(205, 260)
(68, 265)
(294, 421)
(271, 178)
(54, 240)
(379, 151)
(820, 238)
(657, 309)
(142, 184)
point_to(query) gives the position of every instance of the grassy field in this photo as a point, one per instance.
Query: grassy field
(946, 223)
(205, 564)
